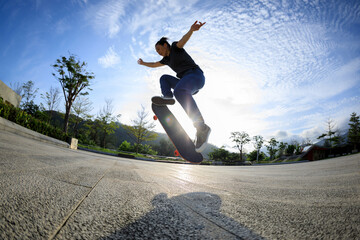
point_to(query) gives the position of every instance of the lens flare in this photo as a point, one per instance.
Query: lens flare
(169, 120)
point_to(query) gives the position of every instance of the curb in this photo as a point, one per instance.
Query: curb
(12, 127)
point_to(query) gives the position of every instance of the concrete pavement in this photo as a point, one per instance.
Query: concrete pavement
(52, 192)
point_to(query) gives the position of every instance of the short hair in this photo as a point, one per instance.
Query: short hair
(162, 41)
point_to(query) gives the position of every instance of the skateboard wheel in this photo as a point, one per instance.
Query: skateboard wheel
(177, 153)
(155, 117)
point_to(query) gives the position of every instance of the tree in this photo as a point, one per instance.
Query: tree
(219, 154)
(81, 109)
(107, 121)
(74, 80)
(272, 147)
(28, 96)
(354, 130)
(259, 140)
(141, 130)
(223, 155)
(28, 92)
(282, 148)
(240, 139)
(17, 87)
(125, 146)
(165, 147)
(290, 149)
(256, 156)
(93, 131)
(329, 135)
(52, 100)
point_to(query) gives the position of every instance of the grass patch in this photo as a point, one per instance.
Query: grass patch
(115, 152)
(130, 155)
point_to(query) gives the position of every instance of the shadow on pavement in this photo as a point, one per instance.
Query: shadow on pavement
(188, 216)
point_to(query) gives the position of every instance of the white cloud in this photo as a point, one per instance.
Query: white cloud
(110, 59)
(106, 16)
(144, 16)
(80, 2)
(62, 26)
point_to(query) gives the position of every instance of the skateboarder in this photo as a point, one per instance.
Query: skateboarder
(190, 79)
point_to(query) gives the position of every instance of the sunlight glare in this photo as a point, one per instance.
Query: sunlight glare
(184, 172)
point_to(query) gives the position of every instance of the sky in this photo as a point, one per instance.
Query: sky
(275, 68)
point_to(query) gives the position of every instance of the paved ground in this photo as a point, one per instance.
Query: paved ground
(50, 192)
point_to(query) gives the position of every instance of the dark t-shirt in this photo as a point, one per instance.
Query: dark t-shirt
(179, 60)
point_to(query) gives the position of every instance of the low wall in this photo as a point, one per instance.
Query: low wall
(9, 126)
(8, 95)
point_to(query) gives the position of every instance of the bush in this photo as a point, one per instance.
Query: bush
(145, 149)
(24, 119)
(125, 146)
(221, 154)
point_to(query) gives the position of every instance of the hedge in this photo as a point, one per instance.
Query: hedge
(24, 119)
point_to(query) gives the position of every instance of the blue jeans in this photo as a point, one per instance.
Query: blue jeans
(192, 81)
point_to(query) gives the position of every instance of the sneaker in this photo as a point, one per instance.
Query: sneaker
(163, 100)
(202, 136)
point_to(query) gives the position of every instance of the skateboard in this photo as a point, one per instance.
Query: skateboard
(182, 142)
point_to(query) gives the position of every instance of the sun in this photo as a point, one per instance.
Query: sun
(184, 120)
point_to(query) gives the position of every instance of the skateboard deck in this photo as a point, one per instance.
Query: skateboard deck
(177, 134)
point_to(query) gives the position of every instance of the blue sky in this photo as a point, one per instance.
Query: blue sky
(273, 68)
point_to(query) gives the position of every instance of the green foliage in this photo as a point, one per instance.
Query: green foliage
(298, 149)
(290, 149)
(140, 148)
(354, 130)
(106, 121)
(26, 120)
(28, 95)
(253, 155)
(81, 109)
(145, 149)
(125, 146)
(282, 148)
(205, 162)
(272, 147)
(221, 154)
(141, 131)
(164, 148)
(30, 107)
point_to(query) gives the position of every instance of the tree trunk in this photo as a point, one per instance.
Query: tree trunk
(67, 115)
(66, 120)
(103, 141)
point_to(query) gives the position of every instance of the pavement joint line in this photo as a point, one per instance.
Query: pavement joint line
(53, 236)
(74, 184)
(209, 220)
(204, 217)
